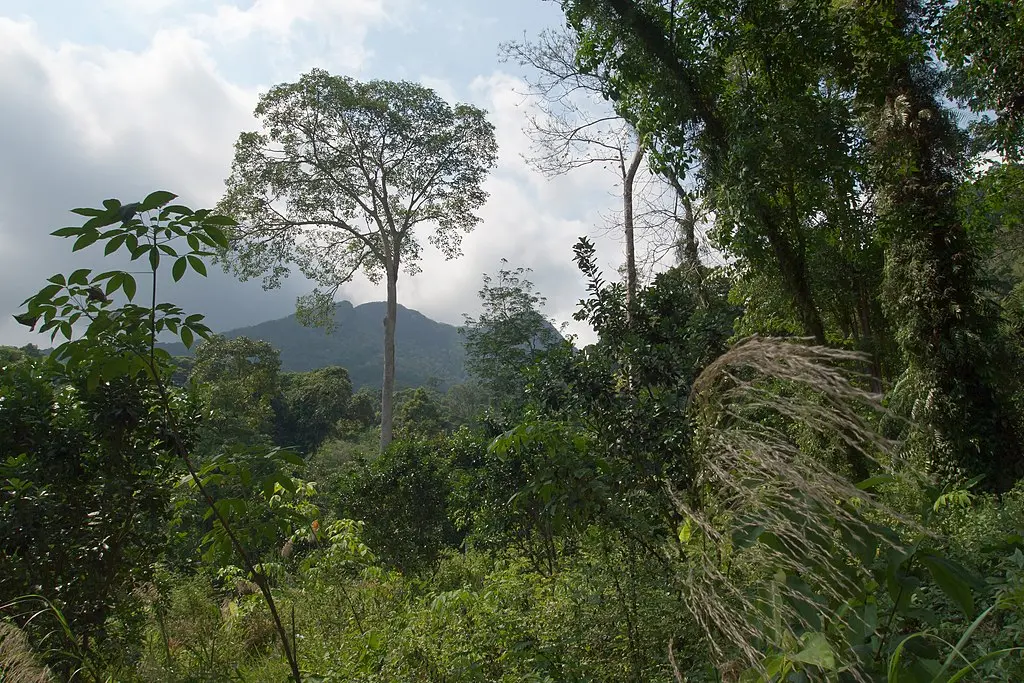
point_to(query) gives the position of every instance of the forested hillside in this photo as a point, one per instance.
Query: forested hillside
(428, 352)
(801, 462)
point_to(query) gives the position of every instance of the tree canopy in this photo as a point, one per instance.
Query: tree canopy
(340, 178)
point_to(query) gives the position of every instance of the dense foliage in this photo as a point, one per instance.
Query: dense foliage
(802, 466)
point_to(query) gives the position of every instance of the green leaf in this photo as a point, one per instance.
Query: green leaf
(154, 259)
(111, 204)
(186, 337)
(79, 277)
(85, 240)
(57, 279)
(897, 655)
(129, 286)
(114, 244)
(88, 212)
(114, 283)
(746, 535)
(177, 209)
(770, 668)
(217, 235)
(952, 579)
(178, 269)
(156, 199)
(197, 264)
(290, 457)
(875, 481)
(816, 651)
(66, 232)
(101, 221)
(220, 219)
(48, 291)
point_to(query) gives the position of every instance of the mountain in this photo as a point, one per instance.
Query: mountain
(426, 351)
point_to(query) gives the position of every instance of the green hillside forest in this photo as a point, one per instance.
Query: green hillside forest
(793, 452)
(429, 353)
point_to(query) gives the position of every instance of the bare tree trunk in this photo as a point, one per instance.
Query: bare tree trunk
(387, 393)
(691, 256)
(687, 253)
(628, 177)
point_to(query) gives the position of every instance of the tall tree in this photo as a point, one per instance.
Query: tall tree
(237, 380)
(793, 113)
(310, 405)
(507, 335)
(340, 178)
(576, 127)
(721, 96)
(930, 291)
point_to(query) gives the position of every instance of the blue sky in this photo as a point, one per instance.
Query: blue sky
(115, 98)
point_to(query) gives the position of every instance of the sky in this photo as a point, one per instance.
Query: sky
(116, 98)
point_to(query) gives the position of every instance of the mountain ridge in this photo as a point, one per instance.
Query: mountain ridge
(427, 352)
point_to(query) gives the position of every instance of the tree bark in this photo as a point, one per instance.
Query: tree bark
(690, 254)
(687, 253)
(387, 393)
(628, 178)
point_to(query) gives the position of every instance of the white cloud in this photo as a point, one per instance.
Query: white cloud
(80, 123)
(279, 18)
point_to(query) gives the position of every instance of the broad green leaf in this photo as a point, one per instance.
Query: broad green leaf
(85, 240)
(129, 286)
(111, 204)
(186, 337)
(178, 269)
(217, 235)
(197, 264)
(816, 651)
(895, 661)
(48, 291)
(952, 579)
(177, 209)
(686, 531)
(290, 457)
(67, 232)
(57, 279)
(156, 199)
(79, 277)
(746, 535)
(114, 244)
(114, 283)
(770, 668)
(154, 259)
